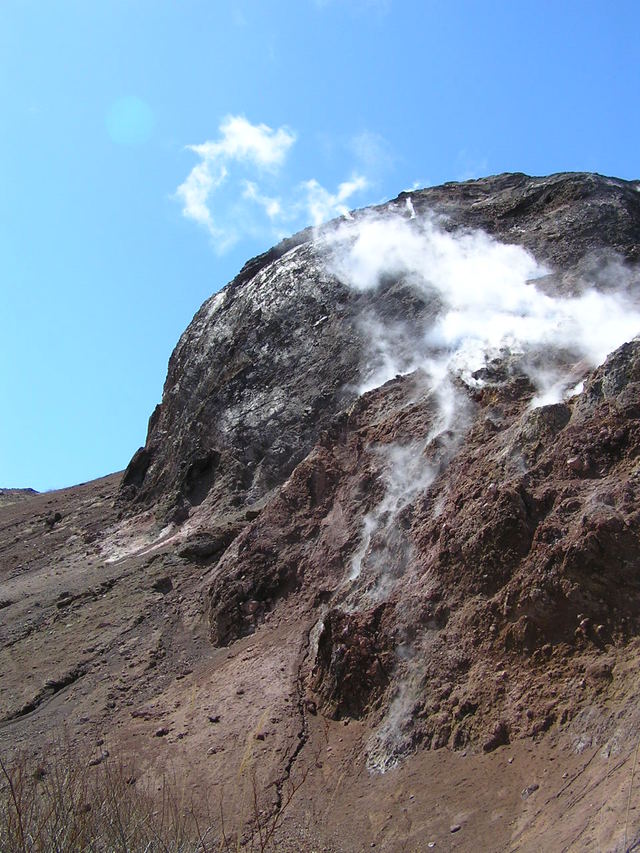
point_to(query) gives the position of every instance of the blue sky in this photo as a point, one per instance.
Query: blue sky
(148, 148)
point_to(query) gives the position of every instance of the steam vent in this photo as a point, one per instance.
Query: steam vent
(374, 578)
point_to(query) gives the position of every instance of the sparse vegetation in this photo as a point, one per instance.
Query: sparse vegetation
(67, 804)
(63, 804)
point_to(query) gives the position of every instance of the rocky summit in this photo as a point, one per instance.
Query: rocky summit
(374, 578)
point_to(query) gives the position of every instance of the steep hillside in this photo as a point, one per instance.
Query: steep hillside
(382, 545)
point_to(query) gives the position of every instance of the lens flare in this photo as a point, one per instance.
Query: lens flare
(130, 121)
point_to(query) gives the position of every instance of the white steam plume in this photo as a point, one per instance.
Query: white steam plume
(476, 300)
(487, 297)
(408, 470)
(384, 747)
(405, 475)
(481, 302)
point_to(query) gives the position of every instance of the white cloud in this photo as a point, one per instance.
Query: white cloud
(240, 140)
(322, 205)
(256, 145)
(272, 206)
(195, 191)
(308, 202)
(237, 188)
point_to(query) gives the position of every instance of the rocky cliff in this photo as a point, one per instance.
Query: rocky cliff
(267, 362)
(389, 502)
(507, 529)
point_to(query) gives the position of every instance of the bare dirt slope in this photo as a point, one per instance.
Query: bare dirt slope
(93, 650)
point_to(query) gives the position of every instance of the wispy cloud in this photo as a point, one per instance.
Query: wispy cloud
(272, 206)
(322, 205)
(247, 159)
(241, 140)
(256, 145)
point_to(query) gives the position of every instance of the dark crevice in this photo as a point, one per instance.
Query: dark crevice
(67, 598)
(303, 732)
(200, 477)
(50, 689)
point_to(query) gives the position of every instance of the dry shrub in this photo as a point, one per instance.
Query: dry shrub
(64, 805)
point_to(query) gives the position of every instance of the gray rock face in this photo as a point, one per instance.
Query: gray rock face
(258, 373)
(268, 362)
(562, 219)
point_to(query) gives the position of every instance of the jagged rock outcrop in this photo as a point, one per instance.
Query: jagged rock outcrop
(516, 536)
(267, 362)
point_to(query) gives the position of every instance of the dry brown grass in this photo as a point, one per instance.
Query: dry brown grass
(64, 805)
(67, 804)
